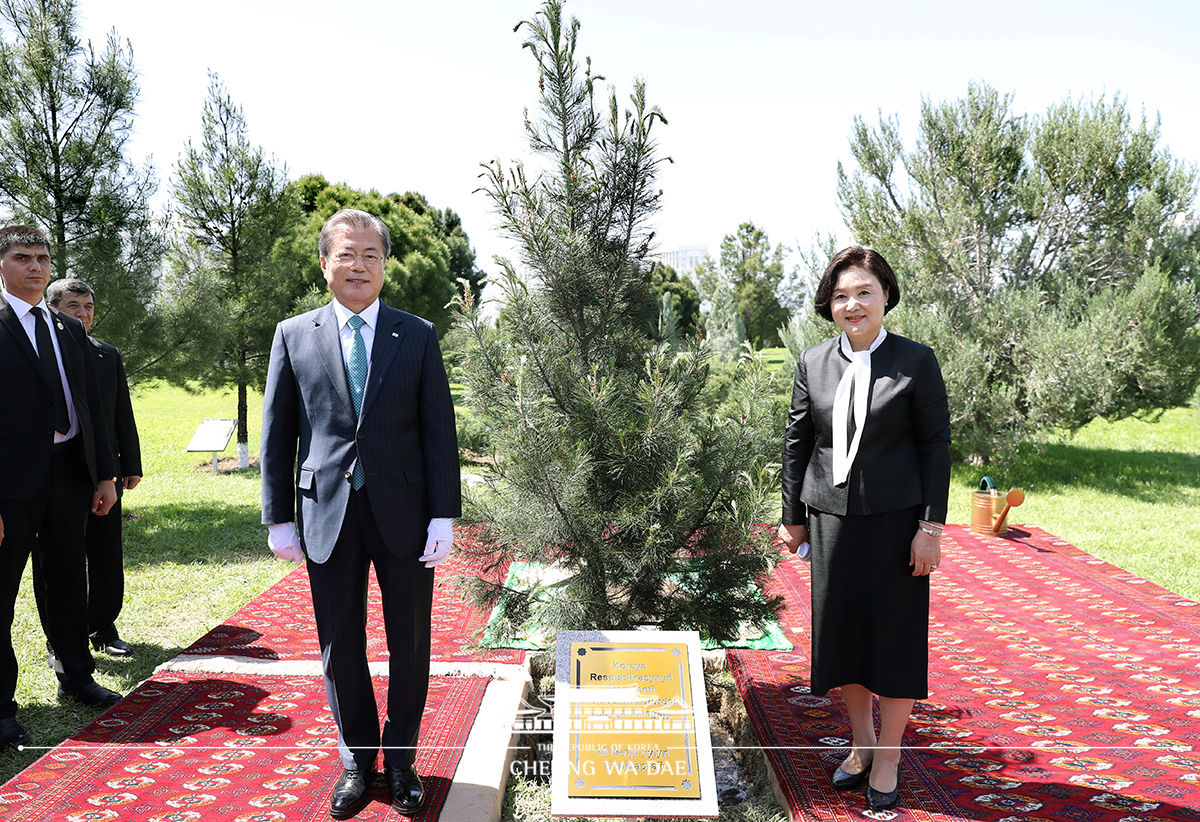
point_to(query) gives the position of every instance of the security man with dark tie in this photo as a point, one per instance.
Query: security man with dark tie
(55, 467)
(105, 565)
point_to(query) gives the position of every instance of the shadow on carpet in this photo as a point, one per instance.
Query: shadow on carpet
(228, 748)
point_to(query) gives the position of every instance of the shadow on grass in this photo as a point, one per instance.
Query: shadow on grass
(218, 533)
(1146, 476)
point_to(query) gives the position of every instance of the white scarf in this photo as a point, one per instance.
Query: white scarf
(858, 376)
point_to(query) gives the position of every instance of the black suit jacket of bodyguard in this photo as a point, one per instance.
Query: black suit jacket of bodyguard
(904, 455)
(27, 409)
(405, 436)
(117, 409)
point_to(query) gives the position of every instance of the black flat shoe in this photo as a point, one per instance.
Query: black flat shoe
(405, 786)
(112, 647)
(92, 694)
(882, 801)
(348, 794)
(12, 735)
(844, 781)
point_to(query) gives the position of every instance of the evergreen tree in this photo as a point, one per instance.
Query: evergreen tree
(724, 327)
(233, 205)
(668, 287)
(607, 464)
(753, 272)
(1050, 260)
(66, 114)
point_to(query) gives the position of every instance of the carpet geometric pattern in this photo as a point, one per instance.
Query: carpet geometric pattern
(278, 624)
(227, 748)
(1061, 688)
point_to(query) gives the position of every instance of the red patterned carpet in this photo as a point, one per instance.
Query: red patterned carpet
(1061, 688)
(278, 624)
(226, 748)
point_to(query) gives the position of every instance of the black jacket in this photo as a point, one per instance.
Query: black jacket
(26, 408)
(904, 455)
(117, 408)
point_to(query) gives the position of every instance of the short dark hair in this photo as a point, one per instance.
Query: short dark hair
(356, 219)
(856, 256)
(25, 235)
(55, 290)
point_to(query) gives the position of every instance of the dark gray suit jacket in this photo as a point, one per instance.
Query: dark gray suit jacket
(904, 454)
(405, 438)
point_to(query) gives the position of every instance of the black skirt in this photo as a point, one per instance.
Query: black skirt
(870, 614)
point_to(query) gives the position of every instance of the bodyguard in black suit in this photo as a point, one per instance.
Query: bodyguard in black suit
(55, 466)
(360, 468)
(105, 564)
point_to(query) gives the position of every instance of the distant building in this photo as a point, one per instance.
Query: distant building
(683, 259)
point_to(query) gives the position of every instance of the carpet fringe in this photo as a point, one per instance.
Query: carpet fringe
(221, 664)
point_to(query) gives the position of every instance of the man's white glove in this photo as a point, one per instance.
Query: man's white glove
(440, 541)
(284, 541)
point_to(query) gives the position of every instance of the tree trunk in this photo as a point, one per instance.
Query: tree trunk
(243, 431)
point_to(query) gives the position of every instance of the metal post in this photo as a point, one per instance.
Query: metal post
(215, 453)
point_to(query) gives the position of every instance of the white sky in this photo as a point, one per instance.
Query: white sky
(759, 94)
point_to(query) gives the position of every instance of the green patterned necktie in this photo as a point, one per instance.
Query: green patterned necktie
(356, 370)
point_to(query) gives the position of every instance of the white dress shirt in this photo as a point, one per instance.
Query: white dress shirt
(370, 316)
(24, 312)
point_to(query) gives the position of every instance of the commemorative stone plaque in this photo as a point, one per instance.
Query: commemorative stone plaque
(631, 726)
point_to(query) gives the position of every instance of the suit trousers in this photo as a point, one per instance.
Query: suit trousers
(105, 572)
(50, 526)
(339, 593)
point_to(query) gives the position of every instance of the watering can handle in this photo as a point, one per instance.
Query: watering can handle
(987, 484)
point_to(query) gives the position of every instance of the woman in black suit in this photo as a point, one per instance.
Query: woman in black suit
(866, 474)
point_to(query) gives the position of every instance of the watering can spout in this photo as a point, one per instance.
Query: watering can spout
(986, 502)
(1014, 498)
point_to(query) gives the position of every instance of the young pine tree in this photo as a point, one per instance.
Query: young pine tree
(608, 466)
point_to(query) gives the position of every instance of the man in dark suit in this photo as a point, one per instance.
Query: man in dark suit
(360, 467)
(55, 466)
(105, 566)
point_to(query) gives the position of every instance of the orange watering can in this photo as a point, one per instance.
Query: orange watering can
(989, 510)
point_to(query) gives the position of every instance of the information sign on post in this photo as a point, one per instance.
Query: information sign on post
(631, 726)
(212, 435)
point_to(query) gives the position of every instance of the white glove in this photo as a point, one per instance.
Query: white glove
(440, 541)
(284, 541)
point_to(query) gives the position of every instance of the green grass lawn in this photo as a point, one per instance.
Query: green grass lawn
(1128, 492)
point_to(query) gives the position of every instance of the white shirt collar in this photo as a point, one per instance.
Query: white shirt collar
(370, 314)
(22, 308)
(850, 352)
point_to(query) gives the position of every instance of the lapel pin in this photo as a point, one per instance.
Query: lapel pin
(60, 325)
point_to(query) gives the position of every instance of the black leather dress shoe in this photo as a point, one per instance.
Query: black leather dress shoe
(93, 694)
(348, 794)
(844, 781)
(881, 800)
(405, 785)
(113, 647)
(12, 735)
